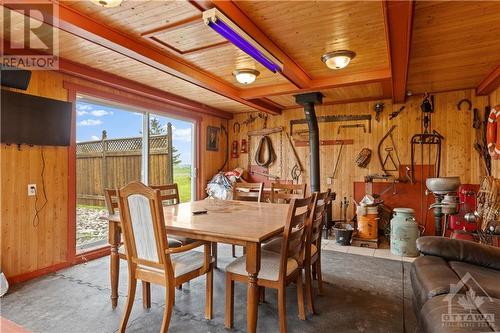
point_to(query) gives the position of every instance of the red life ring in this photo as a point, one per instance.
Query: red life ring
(492, 139)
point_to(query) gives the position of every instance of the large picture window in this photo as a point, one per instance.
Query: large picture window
(116, 145)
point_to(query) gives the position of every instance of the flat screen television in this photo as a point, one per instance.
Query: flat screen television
(33, 120)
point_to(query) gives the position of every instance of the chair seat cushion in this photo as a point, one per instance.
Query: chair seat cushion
(172, 242)
(182, 262)
(275, 246)
(269, 266)
(183, 240)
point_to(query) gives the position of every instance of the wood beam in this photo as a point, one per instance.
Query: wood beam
(82, 26)
(320, 84)
(171, 101)
(398, 16)
(490, 83)
(291, 70)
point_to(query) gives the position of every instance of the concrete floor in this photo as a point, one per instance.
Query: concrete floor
(363, 294)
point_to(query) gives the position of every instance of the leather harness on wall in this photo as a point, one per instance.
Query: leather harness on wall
(270, 157)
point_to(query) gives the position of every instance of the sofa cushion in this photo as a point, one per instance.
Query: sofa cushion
(460, 250)
(490, 309)
(442, 314)
(430, 276)
(484, 281)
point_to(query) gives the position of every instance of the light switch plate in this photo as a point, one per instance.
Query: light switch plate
(31, 190)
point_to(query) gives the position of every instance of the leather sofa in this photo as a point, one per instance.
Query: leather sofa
(456, 286)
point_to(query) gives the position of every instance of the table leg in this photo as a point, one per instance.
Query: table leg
(253, 267)
(114, 268)
(214, 253)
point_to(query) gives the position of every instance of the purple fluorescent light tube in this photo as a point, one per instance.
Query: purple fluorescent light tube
(228, 33)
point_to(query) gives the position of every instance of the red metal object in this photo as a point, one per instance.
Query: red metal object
(467, 196)
(234, 149)
(244, 149)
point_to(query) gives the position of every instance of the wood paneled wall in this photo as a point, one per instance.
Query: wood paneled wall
(495, 164)
(458, 155)
(28, 249)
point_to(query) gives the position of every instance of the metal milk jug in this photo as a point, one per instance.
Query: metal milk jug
(404, 233)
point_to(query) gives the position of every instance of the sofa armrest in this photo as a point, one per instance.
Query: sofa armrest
(460, 250)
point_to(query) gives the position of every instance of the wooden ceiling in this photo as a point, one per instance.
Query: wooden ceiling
(165, 45)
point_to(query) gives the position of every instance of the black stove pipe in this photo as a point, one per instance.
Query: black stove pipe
(307, 101)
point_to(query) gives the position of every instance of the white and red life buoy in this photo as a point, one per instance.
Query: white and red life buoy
(492, 129)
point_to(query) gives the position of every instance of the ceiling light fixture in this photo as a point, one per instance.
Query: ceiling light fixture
(338, 59)
(107, 3)
(230, 31)
(246, 75)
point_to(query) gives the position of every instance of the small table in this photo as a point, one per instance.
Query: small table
(233, 222)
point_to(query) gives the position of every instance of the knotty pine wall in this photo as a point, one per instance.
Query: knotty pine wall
(27, 249)
(495, 100)
(458, 155)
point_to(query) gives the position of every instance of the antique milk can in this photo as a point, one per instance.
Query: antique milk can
(404, 233)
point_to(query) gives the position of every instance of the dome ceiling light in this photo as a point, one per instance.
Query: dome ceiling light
(107, 3)
(338, 59)
(246, 75)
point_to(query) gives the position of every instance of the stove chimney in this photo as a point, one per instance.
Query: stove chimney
(307, 101)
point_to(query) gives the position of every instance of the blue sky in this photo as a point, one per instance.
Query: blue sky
(93, 118)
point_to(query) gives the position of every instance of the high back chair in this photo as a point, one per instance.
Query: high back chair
(169, 193)
(283, 193)
(312, 253)
(170, 196)
(277, 269)
(149, 256)
(111, 199)
(246, 192)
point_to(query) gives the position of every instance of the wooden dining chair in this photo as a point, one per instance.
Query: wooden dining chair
(149, 256)
(111, 199)
(170, 196)
(283, 193)
(246, 192)
(312, 253)
(278, 270)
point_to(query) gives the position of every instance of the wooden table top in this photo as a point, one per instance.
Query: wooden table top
(225, 220)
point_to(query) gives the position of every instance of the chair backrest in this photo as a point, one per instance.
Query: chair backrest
(295, 231)
(111, 199)
(316, 222)
(143, 227)
(248, 191)
(169, 193)
(285, 192)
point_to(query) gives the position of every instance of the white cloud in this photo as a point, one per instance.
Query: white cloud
(90, 122)
(81, 112)
(182, 134)
(95, 137)
(101, 113)
(83, 107)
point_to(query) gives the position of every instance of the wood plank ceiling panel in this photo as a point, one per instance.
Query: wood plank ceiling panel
(454, 44)
(306, 30)
(95, 56)
(341, 94)
(136, 18)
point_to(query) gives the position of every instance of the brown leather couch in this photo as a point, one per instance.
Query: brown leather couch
(456, 286)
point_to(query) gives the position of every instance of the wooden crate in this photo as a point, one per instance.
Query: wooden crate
(369, 243)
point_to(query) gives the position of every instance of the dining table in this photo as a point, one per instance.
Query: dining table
(243, 223)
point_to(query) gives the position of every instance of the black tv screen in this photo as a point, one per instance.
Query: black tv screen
(33, 120)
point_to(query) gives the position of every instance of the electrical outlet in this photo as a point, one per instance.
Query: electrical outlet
(329, 180)
(31, 190)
